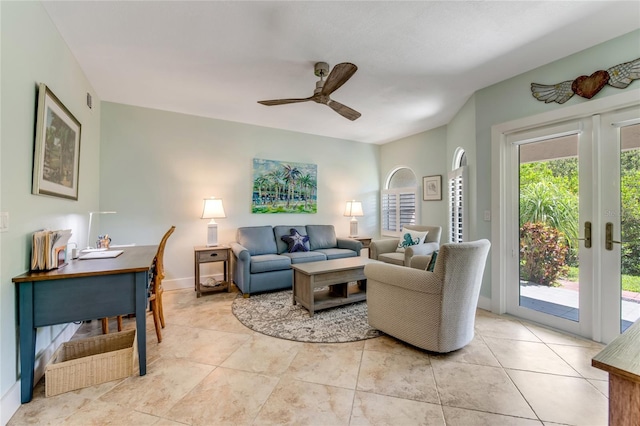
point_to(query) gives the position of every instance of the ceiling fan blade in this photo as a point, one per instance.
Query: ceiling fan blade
(338, 76)
(284, 101)
(344, 110)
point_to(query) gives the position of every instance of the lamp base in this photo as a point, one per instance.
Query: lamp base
(212, 234)
(353, 228)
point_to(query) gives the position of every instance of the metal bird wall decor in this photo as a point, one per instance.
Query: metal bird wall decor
(619, 76)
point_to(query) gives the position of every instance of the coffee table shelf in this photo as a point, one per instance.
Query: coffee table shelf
(336, 274)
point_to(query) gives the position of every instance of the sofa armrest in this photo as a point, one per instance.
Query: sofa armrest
(240, 252)
(408, 278)
(418, 250)
(378, 247)
(351, 244)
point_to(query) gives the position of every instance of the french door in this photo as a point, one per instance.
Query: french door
(574, 224)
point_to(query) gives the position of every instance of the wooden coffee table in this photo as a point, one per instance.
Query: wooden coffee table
(334, 274)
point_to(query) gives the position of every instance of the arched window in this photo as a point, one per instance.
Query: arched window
(457, 203)
(399, 201)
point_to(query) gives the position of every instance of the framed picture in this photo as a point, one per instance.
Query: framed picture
(56, 158)
(284, 187)
(432, 188)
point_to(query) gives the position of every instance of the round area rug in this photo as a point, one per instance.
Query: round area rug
(274, 314)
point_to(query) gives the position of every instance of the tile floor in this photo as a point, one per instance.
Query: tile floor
(211, 370)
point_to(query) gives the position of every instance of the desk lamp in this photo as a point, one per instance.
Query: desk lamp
(88, 247)
(212, 209)
(353, 209)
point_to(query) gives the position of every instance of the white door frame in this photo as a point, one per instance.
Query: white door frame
(502, 158)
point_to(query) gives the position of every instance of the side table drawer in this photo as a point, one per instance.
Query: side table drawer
(212, 255)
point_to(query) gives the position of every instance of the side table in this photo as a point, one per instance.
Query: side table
(205, 254)
(366, 241)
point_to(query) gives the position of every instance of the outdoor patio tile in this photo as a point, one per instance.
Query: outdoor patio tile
(463, 417)
(373, 409)
(530, 356)
(481, 388)
(561, 399)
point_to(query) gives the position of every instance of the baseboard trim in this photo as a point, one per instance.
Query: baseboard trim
(484, 303)
(188, 282)
(10, 402)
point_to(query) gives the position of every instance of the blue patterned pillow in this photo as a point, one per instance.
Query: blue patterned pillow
(296, 241)
(432, 262)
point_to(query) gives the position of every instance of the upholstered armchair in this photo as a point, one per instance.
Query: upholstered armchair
(386, 250)
(435, 310)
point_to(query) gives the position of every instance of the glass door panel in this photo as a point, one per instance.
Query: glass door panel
(549, 267)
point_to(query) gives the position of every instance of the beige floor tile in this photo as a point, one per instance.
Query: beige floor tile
(215, 315)
(263, 354)
(462, 417)
(479, 387)
(561, 399)
(390, 344)
(327, 364)
(548, 335)
(225, 397)
(579, 357)
(102, 413)
(48, 411)
(302, 403)
(601, 385)
(503, 328)
(373, 409)
(531, 356)
(201, 345)
(476, 352)
(166, 383)
(402, 376)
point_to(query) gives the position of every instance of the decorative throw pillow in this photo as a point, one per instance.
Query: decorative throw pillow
(296, 241)
(432, 262)
(411, 238)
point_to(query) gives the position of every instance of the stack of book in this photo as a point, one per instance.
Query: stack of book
(49, 249)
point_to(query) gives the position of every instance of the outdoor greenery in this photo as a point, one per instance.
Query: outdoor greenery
(549, 195)
(629, 282)
(542, 253)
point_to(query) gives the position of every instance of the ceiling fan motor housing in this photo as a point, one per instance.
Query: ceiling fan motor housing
(321, 69)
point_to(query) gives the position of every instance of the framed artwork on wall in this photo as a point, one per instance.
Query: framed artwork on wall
(432, 188)
(56, 161)
(284, 187)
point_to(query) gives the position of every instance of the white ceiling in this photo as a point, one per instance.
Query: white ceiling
(418, 61)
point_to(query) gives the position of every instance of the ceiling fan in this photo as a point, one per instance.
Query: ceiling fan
(338, 76)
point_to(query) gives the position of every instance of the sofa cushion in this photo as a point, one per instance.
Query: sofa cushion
(305, 256)
(281, 231)
(322, 237)
(410, 238)
(269, 262)
(257, 239)
(395, 258)
(337, 253)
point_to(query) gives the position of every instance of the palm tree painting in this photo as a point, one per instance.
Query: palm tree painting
(284, 187)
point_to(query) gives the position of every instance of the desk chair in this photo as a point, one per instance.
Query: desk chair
(155, 290)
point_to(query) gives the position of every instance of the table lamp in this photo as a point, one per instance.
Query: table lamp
(88, 246)
(353, 209)
(212, 209)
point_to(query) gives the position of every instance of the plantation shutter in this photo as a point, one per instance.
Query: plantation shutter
(457, 205)
(398, 208)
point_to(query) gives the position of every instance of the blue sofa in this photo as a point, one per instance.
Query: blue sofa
(262, 262)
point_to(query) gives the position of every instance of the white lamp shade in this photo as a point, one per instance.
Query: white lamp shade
(213, 209)
(353, 208)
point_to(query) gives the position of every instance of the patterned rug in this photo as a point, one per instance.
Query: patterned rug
(275, 315)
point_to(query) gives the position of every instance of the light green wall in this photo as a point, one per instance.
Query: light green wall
(424, 154)
(156, 167)
(512, 99)
(33, 52)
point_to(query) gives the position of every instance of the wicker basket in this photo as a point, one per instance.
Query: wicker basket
(87, 362)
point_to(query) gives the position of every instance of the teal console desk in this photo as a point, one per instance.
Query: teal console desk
(82, 290)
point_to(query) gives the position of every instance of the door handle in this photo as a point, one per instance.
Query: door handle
(608, 243)
(587, 235)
